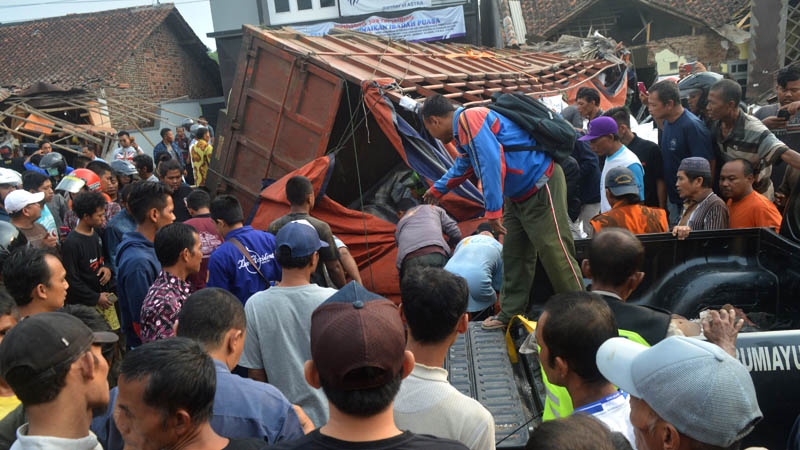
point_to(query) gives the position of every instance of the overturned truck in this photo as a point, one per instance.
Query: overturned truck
(330, 108)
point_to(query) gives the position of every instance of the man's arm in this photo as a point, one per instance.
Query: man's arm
(661, 188)
(349, 264)
(336, 272)
(218, 270)
(791, 158)
(458, 174)
(135, 283)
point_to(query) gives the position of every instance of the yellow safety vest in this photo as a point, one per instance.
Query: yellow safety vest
(557, 402)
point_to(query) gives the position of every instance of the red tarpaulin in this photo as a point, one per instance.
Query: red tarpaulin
(375, 253)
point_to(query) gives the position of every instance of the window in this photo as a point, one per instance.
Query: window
(284, 12)
(673, 65)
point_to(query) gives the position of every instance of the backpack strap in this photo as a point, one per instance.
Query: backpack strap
(246, 254)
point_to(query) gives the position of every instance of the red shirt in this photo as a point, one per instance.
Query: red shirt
(209, 241)
(753, 211)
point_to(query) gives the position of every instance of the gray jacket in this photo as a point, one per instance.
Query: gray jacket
(423, 226)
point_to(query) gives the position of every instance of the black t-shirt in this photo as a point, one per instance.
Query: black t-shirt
(329, 253)
(649, 323)
(649, 154)
(180, 210)
(245, 444)
(407, 440)
(83, 257)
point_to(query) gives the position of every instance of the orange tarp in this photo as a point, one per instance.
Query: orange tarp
(369, 239)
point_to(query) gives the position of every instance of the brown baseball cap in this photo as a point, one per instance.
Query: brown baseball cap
(354, 329)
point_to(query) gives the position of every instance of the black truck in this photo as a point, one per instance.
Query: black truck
(755, 270)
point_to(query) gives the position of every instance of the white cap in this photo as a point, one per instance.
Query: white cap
(8, 176)
(16, 200)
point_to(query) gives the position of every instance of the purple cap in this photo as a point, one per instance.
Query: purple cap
(599, 127)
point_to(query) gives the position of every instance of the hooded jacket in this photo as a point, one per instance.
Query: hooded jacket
(138, 268)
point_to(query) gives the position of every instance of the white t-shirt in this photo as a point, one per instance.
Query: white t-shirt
(615, 412)
(124, 154)
(428, 404)
(279, 341)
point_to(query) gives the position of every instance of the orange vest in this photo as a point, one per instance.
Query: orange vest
(639, 219)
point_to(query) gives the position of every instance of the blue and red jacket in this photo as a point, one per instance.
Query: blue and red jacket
(480, 135)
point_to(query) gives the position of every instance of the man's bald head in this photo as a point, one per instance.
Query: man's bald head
(615, 255)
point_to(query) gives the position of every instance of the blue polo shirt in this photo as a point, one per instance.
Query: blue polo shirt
(686, 137)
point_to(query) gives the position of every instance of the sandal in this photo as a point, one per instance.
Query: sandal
(492, 323)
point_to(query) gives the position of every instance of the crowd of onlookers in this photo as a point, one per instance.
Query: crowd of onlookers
(139, 312)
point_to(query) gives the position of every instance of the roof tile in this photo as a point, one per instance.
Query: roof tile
(75, 49)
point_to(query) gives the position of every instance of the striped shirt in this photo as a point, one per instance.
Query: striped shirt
(709, 214)
(751, 140)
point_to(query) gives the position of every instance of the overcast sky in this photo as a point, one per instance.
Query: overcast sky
(197, 13)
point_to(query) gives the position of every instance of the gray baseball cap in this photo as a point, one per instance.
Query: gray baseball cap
(621, 181)
(692, 384)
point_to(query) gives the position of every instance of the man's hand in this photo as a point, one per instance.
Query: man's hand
(429, 198)
(780, 200)
(681, 232)
(103, 302)
(305, 422)
(105, 275)
(721, 328)
(774, 122)
(50, 241)
(497, 226)
(792, 108)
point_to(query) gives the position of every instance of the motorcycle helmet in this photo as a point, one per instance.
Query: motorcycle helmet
(79, 178)
(697, 84)
(193, 129)
(8, 176)
(54, 164)
(122, 167)
(8, 236)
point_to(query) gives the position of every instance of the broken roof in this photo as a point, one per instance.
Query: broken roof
(465, 74)
(77, 50)
(542, 17)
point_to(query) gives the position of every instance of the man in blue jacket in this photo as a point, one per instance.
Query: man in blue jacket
(245, 263)
(524, 195)
(150, 204)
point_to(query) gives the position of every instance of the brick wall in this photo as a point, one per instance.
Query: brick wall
(706, 47)
(161, 69)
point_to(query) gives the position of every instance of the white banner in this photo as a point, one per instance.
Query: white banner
(433, 25)
(357, 7)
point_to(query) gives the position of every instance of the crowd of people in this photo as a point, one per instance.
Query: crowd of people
(138, 311)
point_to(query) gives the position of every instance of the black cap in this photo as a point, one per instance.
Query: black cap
(46, 342)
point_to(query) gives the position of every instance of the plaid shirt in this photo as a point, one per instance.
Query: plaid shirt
(751, 140)
(162, 305)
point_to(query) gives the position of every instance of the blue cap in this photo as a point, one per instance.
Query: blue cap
(301, 237)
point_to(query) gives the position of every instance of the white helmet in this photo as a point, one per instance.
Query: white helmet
(8, 176)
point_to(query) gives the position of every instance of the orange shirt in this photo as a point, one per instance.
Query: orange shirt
(753, 211)
(639, 219)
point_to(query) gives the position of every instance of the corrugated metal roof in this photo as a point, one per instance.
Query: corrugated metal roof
(466, 74)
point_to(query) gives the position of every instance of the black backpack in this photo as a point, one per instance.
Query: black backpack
(554, 135)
